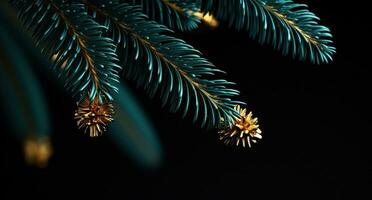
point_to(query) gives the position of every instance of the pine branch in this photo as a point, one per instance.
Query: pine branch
(288, 26)
(133, 133)
(74, 41)
(20, 91)
(156, 59)
(175, 14)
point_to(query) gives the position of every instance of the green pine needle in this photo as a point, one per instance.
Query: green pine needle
(290, 27)
(175, 14)
(91, 41)
(76, 45)
(157, 60)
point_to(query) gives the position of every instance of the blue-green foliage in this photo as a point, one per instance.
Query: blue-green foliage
(264, 21)
(132, 131)
(74, 41)
(162, 62)
(22, 99)
(86, 39)
(162, 12)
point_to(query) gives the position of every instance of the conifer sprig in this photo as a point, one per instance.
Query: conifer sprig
(157, 60)
(289, 27)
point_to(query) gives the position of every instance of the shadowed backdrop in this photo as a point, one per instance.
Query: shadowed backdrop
(315, 130)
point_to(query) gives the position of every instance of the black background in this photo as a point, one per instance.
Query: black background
(315, 121)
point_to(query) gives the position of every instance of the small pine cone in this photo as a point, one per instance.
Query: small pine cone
(244, 130)
(94, 116)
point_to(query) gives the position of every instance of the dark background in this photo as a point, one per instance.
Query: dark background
(315, 123)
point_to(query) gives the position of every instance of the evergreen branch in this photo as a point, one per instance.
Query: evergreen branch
(288, 26)
(175, 14)
(74, 41)
(155, 59)
(133, 133)
(21, 94)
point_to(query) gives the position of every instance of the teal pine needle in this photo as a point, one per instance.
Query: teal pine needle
(93, 44)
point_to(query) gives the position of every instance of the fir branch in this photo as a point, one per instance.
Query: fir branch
(132, 131)
(289, 27)
(74, 41)
(21, 94)
(175, 14)
(155, 59)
